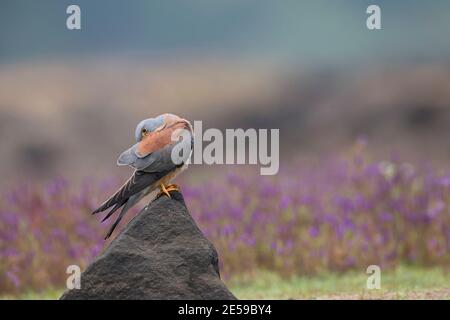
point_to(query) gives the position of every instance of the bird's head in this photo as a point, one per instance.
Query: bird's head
(147, 126)
(153, 134)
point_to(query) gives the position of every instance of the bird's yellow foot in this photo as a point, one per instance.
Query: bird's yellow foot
(166, 189)
(172, 187)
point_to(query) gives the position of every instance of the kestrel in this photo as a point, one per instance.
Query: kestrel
(153, 161)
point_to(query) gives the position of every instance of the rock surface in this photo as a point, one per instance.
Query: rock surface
(161, 254)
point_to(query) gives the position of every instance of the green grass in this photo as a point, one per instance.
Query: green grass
(403, 283)
(49, 294)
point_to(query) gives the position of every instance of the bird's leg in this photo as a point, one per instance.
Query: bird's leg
(166, 189)
(163, 190)
(172, 187)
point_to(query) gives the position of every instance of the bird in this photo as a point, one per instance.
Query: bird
(151, 157)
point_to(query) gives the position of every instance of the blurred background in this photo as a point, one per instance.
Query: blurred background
(70, 99)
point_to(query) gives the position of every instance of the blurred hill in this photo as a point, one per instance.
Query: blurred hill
(74, 118)
(63, 118)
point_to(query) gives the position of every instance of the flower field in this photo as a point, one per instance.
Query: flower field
(342, 213)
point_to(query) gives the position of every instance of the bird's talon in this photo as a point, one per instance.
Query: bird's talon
(167, 189)
(164, 190)
(172, 187)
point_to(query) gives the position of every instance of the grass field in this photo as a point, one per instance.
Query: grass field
(403, 283)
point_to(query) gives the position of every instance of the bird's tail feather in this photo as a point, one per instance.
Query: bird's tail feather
(128, 204)
(119, 218)
(117, 206)
(118, 197)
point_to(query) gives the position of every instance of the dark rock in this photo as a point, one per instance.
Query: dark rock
(161, 254)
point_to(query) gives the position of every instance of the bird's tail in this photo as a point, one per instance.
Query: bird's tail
(129, 203)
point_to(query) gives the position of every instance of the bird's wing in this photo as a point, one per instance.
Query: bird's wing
(137, 182)
(148, 171)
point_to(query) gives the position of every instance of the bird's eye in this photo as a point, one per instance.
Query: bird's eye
(144, 131)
